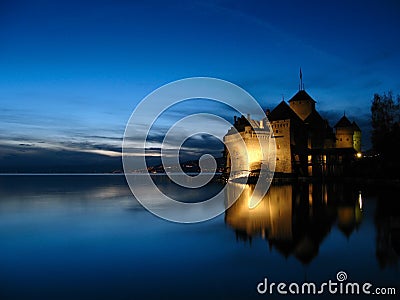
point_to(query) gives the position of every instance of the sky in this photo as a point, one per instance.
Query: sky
(72, 72)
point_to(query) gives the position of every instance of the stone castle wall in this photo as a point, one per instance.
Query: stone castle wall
(281, 130)
(344, 138)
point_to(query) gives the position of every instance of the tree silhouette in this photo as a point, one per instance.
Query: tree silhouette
(386, 125)
(385, 110)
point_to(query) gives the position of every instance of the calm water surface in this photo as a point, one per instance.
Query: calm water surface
(86, 237)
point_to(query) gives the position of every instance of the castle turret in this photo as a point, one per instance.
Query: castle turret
(348, 135)
(344, 133)
(356, 137)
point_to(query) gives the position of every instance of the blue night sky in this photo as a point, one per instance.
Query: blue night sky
(73, 71)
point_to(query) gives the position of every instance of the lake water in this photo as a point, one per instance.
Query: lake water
(86, 237)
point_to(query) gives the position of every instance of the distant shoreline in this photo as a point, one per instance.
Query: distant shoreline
(275, 179)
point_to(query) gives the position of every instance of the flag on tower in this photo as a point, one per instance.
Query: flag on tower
(301, 86)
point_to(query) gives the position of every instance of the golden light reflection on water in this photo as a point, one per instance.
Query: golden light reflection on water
(272, 216)
(294, 219)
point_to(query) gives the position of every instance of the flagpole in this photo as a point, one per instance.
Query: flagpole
(301, 81)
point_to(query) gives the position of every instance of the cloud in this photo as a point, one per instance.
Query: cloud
(92, 154)
(33, 159)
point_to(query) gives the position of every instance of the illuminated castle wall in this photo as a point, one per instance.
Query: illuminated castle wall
(240, 160)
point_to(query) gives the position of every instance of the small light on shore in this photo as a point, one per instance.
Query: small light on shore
(359, 155)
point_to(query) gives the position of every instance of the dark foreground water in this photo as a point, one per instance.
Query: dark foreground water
(86, 237)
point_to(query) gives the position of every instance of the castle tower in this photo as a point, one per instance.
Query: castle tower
(290, 138)
(348, 135)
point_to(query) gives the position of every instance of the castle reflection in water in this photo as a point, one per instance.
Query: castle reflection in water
(294, 219)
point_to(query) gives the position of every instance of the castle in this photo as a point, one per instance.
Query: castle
(306, 145)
